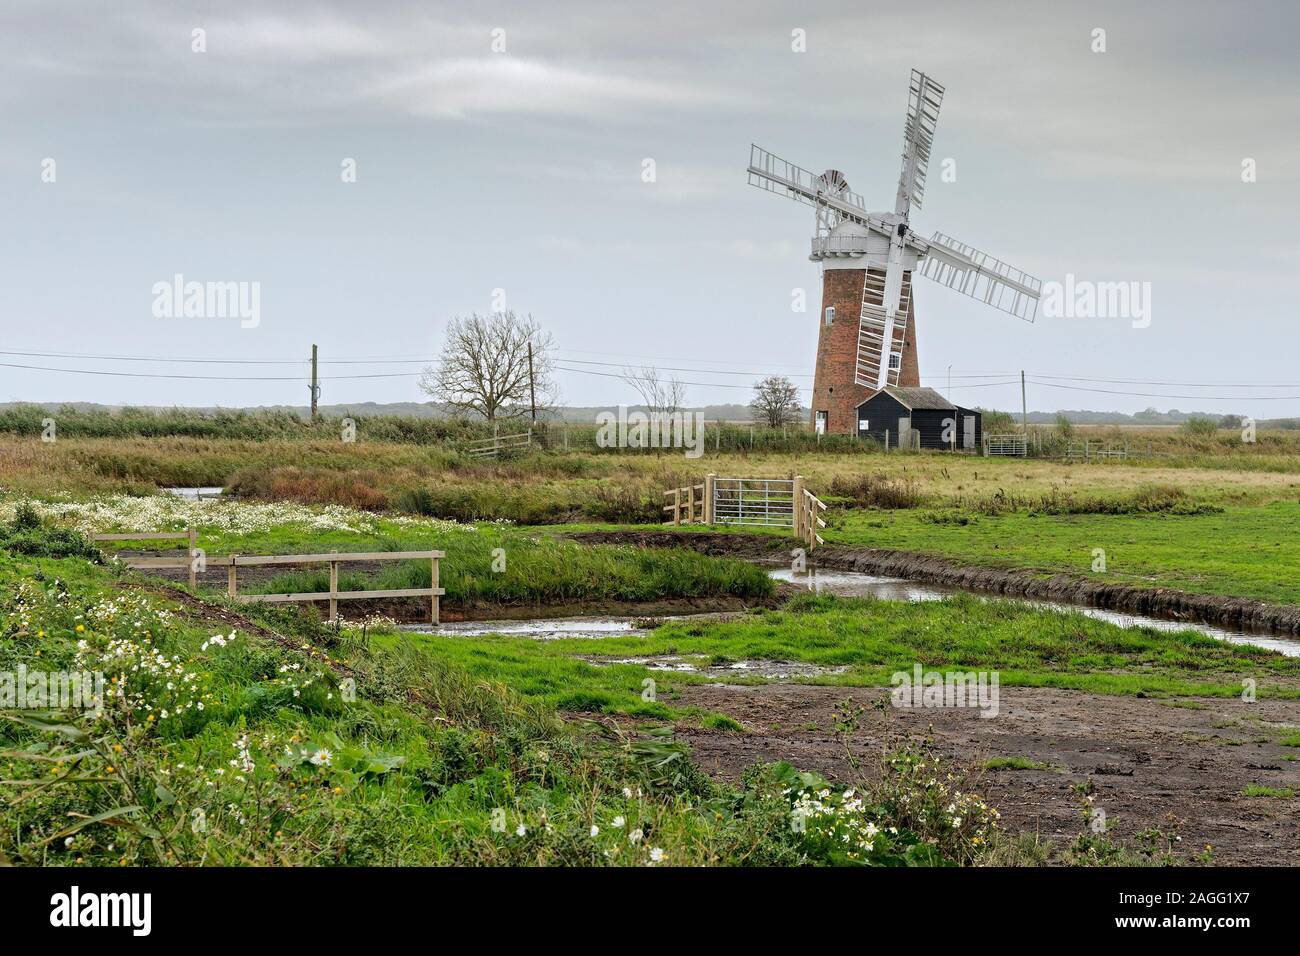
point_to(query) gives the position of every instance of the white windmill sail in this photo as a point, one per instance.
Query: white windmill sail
(776, 175)
(882, 331)
(880, 344)
(924, 98)
(981, 276)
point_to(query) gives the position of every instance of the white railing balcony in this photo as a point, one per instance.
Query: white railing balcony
(823, 246)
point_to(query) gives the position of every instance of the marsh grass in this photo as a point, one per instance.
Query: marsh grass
(550, 571)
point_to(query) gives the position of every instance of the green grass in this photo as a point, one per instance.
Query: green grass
(439, 739)
(1259, 790)
(1290, 740)
(418, 769)
(1016, 763)
(873, 640)
(1247, 551)
(489, 562)
(548, 571)
(297, 746)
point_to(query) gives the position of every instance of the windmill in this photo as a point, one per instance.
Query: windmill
(868, 260)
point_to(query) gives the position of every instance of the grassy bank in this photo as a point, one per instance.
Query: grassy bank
(269, 741)
(1243, 551)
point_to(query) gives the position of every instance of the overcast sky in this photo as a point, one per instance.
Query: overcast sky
(522, 171)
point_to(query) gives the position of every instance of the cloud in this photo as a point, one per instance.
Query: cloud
(502, 83)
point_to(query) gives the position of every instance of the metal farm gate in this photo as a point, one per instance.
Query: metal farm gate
(766, 502)
(761, 501)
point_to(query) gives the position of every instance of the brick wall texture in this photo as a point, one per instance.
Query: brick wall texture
(837, 350)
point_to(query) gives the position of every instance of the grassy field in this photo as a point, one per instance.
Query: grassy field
(1244, 551)
(436, 479)
(1207, 514)
(862, 643)
(295, 743)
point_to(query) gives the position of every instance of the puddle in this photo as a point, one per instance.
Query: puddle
(541, 629)
(857, 584)
(769, 670)
(194, 494)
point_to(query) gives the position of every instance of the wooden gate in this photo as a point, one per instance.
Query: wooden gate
(758, 502)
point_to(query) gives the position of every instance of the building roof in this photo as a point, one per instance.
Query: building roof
(913, 398)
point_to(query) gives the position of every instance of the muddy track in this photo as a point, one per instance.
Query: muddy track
(1166, 603)
(1145, 759)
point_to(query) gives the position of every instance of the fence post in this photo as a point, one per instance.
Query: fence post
(709, 480)
(677, 506)
(690, 504)
(334, 590)
(193, 548)
(798, 506)
(232, 585)
(433, 605)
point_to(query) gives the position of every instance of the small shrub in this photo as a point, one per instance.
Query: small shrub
(28, 535)
(878, 491)
(1199, 426)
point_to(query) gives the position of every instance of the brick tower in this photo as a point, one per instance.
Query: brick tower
(853, 266)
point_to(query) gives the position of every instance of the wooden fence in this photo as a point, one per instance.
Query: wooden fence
(147, 564)
(1099, 449)
(234, 562)
(809, 519)
(494, 446)
(689, 505)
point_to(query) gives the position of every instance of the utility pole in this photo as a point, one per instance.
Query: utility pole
(1024, 408)
(315, 386)
(532, 386)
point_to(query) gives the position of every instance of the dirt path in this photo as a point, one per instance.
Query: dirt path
(1146, 758)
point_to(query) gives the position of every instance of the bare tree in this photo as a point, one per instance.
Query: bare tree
(484, 367)
(658, 394)
(775, 402)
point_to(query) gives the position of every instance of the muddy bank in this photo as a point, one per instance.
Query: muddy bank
(1146, 759)
(1157, 602)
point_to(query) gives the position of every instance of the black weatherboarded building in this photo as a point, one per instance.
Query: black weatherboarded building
(921, 416)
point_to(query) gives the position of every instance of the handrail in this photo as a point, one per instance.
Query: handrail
(334, 558)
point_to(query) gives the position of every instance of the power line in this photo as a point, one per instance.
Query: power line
(587, 371)
(214, 378)
(663, 358)
(1216, 398)
(1179, 384)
